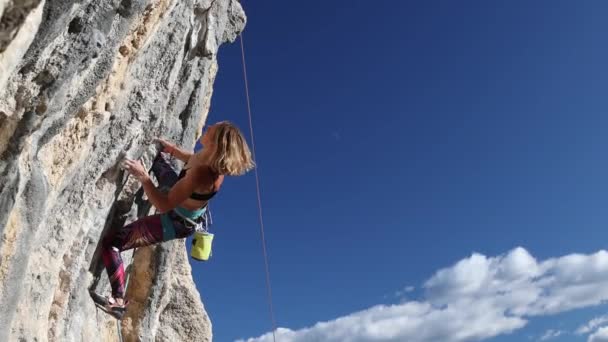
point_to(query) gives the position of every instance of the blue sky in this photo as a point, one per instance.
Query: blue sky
(396, 139)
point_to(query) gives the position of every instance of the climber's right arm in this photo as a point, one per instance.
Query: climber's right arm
(180, 154)
(175, 151)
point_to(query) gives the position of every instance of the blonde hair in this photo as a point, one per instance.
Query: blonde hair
(231, 156)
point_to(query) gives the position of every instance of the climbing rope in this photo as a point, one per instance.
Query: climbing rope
(257, 182)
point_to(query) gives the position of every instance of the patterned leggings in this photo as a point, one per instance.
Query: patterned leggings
(143, 232)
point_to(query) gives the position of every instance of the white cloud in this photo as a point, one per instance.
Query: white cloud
(477, 298)
(401, 293)
(412, 321)
(551, 334)
(594, 323)
(601, 335)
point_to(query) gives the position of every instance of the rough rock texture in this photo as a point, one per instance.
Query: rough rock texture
(84, 83)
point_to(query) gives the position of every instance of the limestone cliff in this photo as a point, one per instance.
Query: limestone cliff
(82, 84)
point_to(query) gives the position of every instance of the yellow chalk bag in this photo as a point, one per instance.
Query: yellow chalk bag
(201, 245)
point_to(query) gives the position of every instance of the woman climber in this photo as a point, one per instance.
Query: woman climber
(225, 152)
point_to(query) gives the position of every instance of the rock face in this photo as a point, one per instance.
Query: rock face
(82, 84)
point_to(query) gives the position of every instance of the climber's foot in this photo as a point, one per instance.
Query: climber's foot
(116, 307)
(113, 306)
